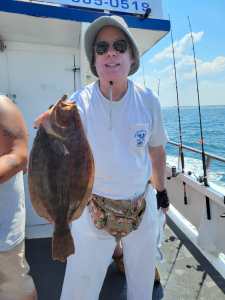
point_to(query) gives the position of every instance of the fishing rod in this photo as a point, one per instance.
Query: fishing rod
(158, 87)
(205, 180)
(143, 74)
(179, 118)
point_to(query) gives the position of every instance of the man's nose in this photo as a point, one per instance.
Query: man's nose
(111, 51)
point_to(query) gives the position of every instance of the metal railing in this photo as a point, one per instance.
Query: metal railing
(209, 156)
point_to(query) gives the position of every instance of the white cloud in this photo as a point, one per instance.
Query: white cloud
(205, 68)
(180, 47)
(210, 88)
(186, 71)
(211, 74)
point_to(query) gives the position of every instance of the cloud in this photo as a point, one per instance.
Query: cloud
(186, 70)
(211, 73)
(162, 68)
(205, 68)
(180, 47)
(184, 61)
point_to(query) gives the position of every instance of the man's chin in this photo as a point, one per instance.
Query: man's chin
(112, 77)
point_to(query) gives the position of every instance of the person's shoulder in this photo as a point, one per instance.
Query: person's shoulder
(4, 100)
(82, 93)
(148, 96)
(82, 97)
(11, 118)
(7, 106)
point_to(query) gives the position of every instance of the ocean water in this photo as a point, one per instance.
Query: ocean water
(213, 124)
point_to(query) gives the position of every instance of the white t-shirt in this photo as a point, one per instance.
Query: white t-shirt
(12, 212)
(120, 133)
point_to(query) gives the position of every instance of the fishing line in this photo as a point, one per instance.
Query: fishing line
(181, 153)
(205, 180)
(74, 73)
(158, 87)
(143, 73)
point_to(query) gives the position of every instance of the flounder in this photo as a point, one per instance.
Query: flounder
(61, 173)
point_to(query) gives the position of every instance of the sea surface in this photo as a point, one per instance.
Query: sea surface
(213, 124)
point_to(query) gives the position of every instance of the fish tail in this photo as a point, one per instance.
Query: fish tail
(62, 243)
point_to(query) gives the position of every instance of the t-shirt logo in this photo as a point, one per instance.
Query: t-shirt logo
(140, 137)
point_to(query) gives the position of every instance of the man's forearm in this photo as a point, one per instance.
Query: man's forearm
(158, 158)
(11, 164)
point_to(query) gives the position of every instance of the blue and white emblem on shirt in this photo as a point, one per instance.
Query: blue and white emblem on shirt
(140, 136)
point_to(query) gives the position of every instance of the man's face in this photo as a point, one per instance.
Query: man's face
(112, 65)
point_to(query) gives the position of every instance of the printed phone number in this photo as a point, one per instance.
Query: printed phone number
(134, 6)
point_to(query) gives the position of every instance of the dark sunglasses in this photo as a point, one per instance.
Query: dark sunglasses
(102, 47)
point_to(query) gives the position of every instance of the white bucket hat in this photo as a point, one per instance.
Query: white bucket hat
(93, 30)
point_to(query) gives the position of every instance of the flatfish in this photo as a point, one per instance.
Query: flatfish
(61, 173)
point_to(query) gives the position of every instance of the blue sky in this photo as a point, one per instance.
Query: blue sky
(208, 26)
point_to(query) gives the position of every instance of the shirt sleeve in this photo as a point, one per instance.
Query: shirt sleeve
(158, 136)
(78, 100)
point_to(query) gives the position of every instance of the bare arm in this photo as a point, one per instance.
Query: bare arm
(13, 140)
(158, 158)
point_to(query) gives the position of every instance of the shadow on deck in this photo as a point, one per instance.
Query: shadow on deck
(185, 273)
(114, 287)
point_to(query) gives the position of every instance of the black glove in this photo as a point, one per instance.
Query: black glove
(162, 199)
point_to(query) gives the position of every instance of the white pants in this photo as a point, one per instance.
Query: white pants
(86, 269)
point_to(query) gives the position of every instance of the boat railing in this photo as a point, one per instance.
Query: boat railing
(209, 157)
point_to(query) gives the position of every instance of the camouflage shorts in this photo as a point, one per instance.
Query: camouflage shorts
(15, 283)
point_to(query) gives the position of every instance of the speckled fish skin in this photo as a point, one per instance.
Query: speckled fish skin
(61, 173)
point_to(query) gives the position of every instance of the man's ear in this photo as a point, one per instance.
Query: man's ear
(132, 62)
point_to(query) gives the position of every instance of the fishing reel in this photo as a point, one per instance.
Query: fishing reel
(199, 178)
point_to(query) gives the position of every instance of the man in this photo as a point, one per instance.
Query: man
(124, 128)
(15, 283)
(123, 125)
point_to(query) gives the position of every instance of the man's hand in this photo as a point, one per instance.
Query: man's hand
(42, 119)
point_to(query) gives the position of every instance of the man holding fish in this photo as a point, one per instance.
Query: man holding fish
(123, 125)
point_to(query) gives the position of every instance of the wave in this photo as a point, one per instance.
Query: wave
(194, 166)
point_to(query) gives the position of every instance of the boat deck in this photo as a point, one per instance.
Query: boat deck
(185, 274)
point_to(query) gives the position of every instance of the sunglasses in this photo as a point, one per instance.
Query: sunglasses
(102, 47)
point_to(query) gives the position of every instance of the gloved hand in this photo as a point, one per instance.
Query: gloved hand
(162, 199)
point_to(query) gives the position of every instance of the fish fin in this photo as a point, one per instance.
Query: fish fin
(62, 243)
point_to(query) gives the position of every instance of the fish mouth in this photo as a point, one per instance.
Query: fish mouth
(64, 104)
(67, 105)
(62, 112)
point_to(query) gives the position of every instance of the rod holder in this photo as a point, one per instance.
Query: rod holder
(173, 171)
(2, 45)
